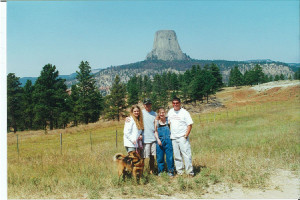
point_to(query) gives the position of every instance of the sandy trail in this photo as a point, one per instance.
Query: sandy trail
(282, 185)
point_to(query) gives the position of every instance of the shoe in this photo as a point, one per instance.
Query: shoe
(191, 174)
(180, 173)
(159, 174)
(170, 174)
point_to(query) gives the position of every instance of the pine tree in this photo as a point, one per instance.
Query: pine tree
(215, 71)
(281, 77)
(28, 105)
(196, 87)
(265, 78)
(297, 74)
(73, 102)
(185, 85)
(277, 77)
(14, 98)
(140, 87)
(236, 77)
(133, 90)
(61, 110)
(167, 77)
(271, 78)
(147, 87)
(209, 83)
(258, 74)
(159, 88)
(115, 102)
(174, 83)
(184, 91)
(90, 98)
(155, 102)
(48, 96)
(193, 72)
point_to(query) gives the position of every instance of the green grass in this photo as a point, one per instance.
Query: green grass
(240, 146)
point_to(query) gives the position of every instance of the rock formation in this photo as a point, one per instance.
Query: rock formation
(166, 47)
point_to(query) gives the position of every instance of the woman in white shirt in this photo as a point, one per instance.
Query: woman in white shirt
(133, 129)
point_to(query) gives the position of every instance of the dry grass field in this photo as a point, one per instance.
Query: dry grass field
(241, 145)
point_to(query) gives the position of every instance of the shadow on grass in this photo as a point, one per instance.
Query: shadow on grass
(198, 168)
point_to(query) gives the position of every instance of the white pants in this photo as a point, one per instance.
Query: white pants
(182, 149)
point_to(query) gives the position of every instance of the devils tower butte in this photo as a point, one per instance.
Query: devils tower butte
(166, 47)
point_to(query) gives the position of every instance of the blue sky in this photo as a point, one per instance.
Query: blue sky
(108, 33)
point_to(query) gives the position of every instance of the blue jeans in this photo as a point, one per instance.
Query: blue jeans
(165, 149)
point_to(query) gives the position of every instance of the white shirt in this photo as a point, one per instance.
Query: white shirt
(179, 122)
(131, 133)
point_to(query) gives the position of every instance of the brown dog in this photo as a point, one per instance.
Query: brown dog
(130, 164)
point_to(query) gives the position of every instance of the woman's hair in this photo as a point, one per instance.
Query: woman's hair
(138, 121)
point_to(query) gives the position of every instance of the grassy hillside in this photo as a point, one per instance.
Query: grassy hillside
(243, 143)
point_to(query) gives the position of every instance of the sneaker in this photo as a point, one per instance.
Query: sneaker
(170, 174)
(191, 174)
(180, 173)
(159, 174)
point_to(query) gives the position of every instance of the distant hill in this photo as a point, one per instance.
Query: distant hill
(149, 68)
(294, 66)
(70, 77)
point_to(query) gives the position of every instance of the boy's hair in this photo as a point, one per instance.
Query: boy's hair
(176, 99)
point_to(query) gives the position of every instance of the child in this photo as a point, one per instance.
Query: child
(164, 143)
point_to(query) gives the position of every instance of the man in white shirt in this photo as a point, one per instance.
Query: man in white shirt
(181, 126)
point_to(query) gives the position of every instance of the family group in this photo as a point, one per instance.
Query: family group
(164, 136)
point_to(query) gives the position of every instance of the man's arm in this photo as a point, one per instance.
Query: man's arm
(188, 131)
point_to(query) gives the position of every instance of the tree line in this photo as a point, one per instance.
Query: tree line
(254, 76)
(49, 104)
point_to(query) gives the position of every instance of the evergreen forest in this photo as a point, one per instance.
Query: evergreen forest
(49, 104)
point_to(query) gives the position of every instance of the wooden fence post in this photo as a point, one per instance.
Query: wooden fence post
(60, 143)
(91, 141)
(116, 138)
(18, 146)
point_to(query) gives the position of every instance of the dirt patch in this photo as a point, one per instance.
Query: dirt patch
(282, 185)
(232, 97)
(235, 97)
(270, 85)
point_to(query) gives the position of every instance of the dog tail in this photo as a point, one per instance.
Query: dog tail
(118, 156)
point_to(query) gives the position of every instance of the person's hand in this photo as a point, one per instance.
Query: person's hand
(134, 142)
(127, 119)
(159, 142)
